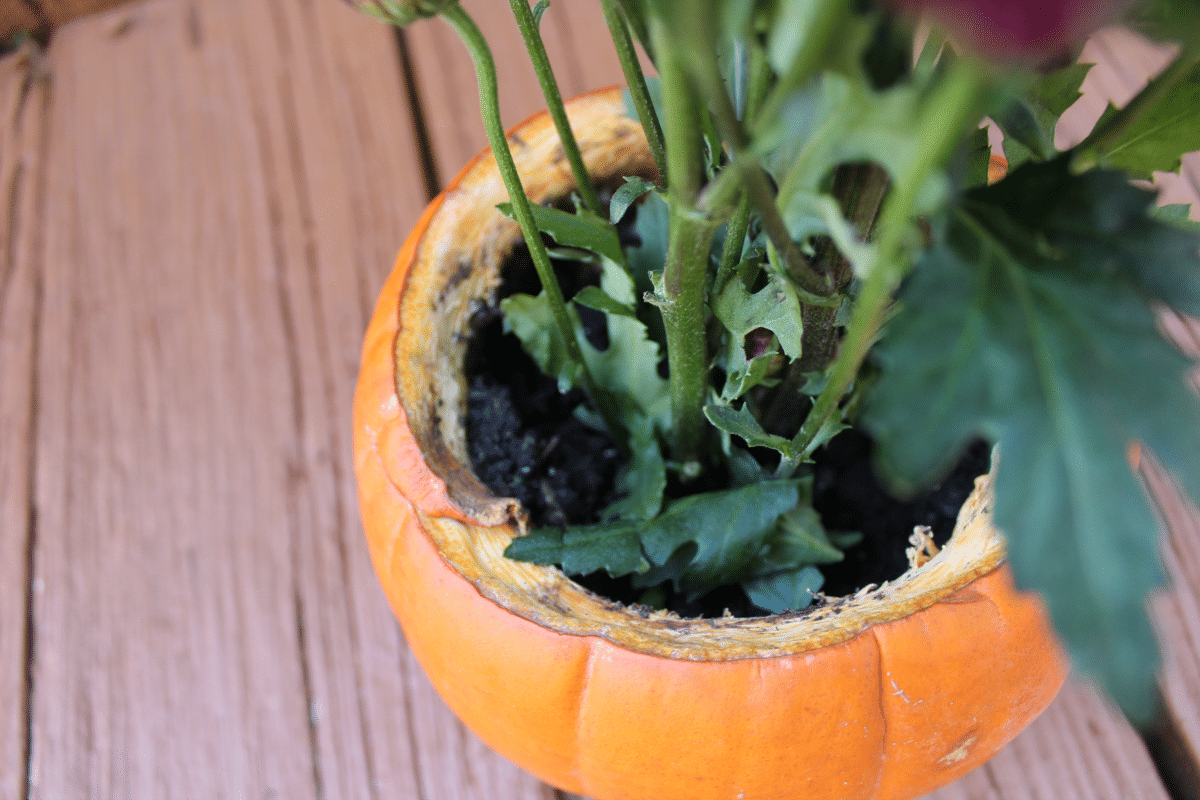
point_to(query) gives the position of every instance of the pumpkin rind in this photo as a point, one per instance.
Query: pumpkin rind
(882, 697)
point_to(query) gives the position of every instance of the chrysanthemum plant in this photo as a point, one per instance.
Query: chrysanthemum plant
(823, 248)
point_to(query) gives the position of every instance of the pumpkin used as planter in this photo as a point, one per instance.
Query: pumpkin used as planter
(883, 696)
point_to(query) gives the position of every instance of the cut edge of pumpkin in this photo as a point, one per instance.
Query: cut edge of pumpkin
(457, 260)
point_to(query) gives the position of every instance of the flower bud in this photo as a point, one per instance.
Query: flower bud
(400, 12)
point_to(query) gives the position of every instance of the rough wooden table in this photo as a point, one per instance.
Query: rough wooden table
(199, 202)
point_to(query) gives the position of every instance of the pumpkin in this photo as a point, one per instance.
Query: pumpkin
(885, 695)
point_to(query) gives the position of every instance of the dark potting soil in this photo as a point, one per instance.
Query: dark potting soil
(849, 497)
(526, 442)
(523, 436)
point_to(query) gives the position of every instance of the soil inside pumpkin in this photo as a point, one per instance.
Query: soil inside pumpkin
(525, 442)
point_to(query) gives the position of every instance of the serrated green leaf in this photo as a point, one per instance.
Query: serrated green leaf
(596, 298)
(653, 228)
(625, 196)
(628, 367)
(1161, 134)
(1177, 214)
(643, 481)
(725, 532)
(785, 591)
(1108, 223)
(531, 320)
(1030, 119)
(741, 423)
(584, 231)
(1019, 327)
(800, 539)
(775, 307)
(582, 550)
(837, 120)
(744, 374)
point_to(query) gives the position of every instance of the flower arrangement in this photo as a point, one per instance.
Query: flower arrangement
(828, 243)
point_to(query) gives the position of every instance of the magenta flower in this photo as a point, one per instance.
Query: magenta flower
(1019, 29)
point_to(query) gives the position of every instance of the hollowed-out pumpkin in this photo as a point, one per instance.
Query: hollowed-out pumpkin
(887, 695)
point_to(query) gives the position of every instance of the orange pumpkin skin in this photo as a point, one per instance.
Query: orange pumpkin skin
(883, 697)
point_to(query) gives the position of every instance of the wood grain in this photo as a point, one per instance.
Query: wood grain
(23, 95)
(1079, 749)
(60, 12)
(222, 203)
(576, 41)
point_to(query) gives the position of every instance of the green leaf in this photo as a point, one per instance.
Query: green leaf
(596, 298)
(775, 307)
(837, 120)
(538, 10)
(1031, 118)
(1029, 322)
(1177, 214)
(532, 321)
(1108, 222)
(625, 196)
(741, 423)
(643, 481)
(792, 20)
(785, 591)
(582, 550)
(653, 228)
(628, 367)
(575, 230)
(1161, 134)
(719, 535)
(800, 539)
(744, 374)
(976, 159)
(1166, 20)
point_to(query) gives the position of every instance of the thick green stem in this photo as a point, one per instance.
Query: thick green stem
(636, 81)
(953, 106)
(683, 319)
(485, 70)
(554, 103)
(684, 273)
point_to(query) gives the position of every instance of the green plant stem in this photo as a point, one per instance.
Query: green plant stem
(952, 107)
(735, 238)
(752, 175)
(684, 273)
(554, 103)
(1108, 132)
(485, 70)
(635, 79)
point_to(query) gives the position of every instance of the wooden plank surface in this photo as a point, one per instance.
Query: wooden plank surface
(59, 12)
(223, 200)
(23, 105)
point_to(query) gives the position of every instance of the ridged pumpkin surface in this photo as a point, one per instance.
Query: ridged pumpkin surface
(884, 696)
